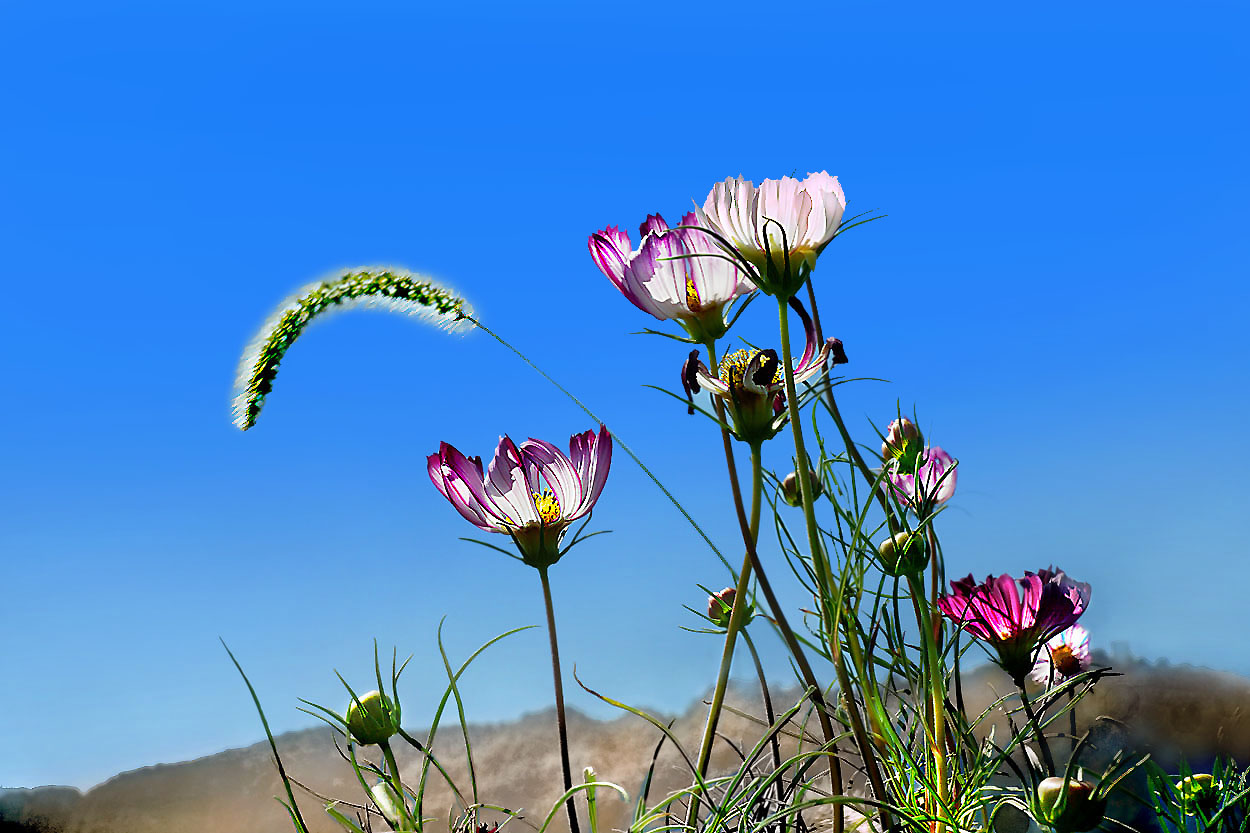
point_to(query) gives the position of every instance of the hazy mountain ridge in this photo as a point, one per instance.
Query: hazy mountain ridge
(1174, 711)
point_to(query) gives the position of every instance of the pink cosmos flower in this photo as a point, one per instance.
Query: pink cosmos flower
(926, 480)
(752, 382)
(532, 492)
(783, 221)
(1067, 654)
(676, 274)
(1016, 621)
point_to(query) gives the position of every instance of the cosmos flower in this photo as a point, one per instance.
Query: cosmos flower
(532, 492)
(1067, 654)
(752, 382)
(780, 227)
(676, 274)
(925, 480)
(1015, 622)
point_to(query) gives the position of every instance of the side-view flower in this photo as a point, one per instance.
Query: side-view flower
(920, 476)
(531, 492)
(781, 227)
(675, 274)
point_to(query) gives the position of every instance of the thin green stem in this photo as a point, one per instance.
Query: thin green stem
(824, 573)
(769, 713)
(737, 616)
(1037, 728)
(559, 684)
(823, 712)
(937, 695)
(393, 766)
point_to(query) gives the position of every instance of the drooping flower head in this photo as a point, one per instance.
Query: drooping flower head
(781, 227)
(676, 274)
(1016, 621)
(531, 492)
(1065, 655)
(752, 382)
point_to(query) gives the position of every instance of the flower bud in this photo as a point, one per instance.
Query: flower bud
(373, 719)
(1080, 810)
(901, 433)
(388, 801)
(1198, 792)
(903, 554)
(790, 487)
(720, 606)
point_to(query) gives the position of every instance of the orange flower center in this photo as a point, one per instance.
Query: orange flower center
(1065, 661)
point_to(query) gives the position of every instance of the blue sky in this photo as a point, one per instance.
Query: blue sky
(1059, 290)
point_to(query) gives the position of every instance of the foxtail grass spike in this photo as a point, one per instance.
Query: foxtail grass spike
(390, 289)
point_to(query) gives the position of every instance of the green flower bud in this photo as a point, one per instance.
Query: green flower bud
(790, 487)
(903, 554)
(1198, 792)
(1072, 811)
(372, 720)
(720, 606)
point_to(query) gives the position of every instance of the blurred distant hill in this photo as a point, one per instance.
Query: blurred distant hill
(1172, 712)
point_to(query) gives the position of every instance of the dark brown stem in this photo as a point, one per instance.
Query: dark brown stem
(560, 720)
(768, 713)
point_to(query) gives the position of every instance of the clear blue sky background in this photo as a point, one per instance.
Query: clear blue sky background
(1060, 289)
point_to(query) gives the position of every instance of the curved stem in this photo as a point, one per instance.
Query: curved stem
(737, 617)
(769, 713)
(851, 448)
(560, 719)
(824, 574)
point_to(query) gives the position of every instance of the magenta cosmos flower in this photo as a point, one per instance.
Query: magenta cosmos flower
(784, 222)
(1064, 656)
(752, 382)
(1016, 621)
(531, 492)
(676, 274)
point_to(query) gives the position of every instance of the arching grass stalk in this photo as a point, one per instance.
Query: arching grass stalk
(824, 574)
(769, 713)
(561, 723)
(823, 712)
(937, 697)
(736, 619)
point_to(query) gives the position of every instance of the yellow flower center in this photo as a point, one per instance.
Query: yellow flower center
(692, 297)
(733, 366)
(547, 505)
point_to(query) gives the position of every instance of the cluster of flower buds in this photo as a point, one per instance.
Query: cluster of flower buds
(372, 718)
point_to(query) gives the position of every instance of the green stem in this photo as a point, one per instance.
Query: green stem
(824, 574)
(823, 712)
(1037, 728)
(851, 448)
(769, 713)
(736, 617)
(937, 694)
(560, 719)
(393, 766)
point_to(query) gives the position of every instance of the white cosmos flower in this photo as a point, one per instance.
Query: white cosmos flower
(783, 219)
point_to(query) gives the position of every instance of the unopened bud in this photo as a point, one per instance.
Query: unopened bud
(903, 554)
(1072, 811)
(372, 719)
(790, 487)
(900, 434)
(720, 606)
(1198, 792)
